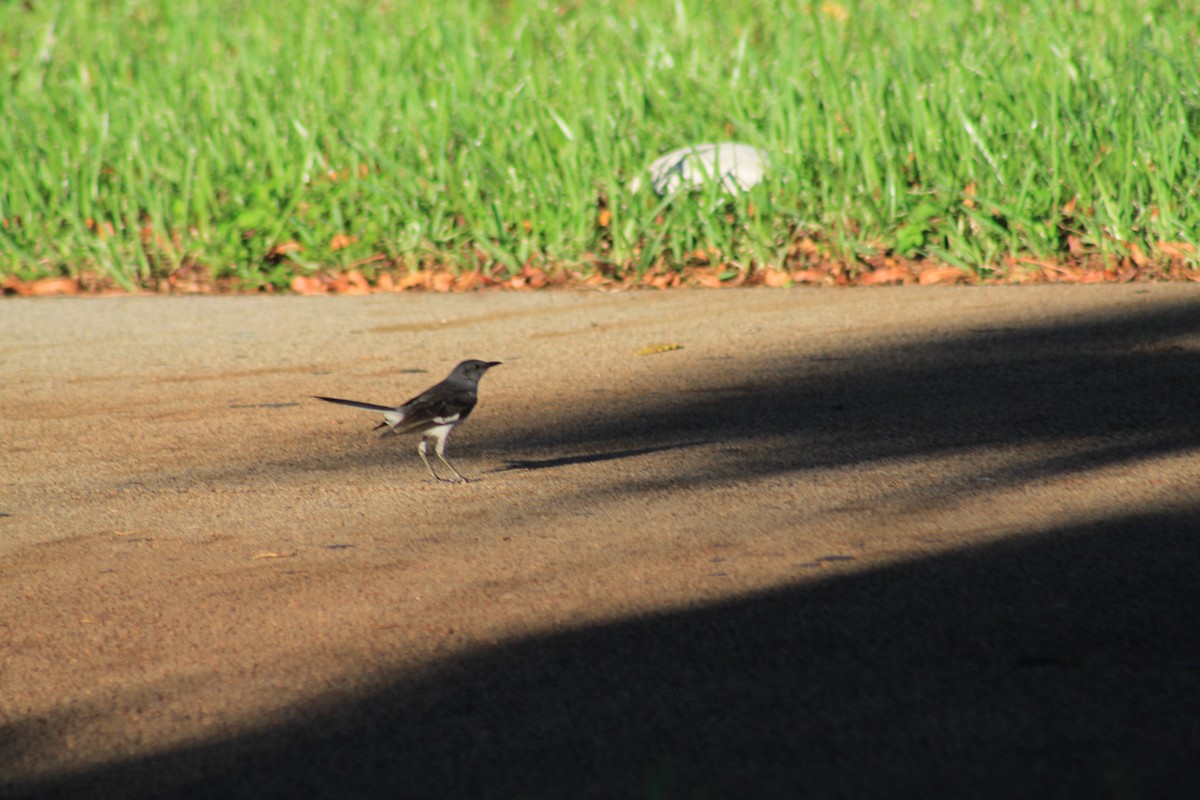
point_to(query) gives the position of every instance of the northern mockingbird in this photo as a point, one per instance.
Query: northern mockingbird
(434, 413)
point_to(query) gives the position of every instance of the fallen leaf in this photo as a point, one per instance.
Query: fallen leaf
(885, 275)
(1135, 253)
(353, 282)
(776, 278)
(14, 285)
(654, 349)
(101, 229)
(414, 279)
(809, 276)
(467, 281)
(1175, 249)
(341, 241)
(442, 282)
(283, 248)
(835, 11)
(385, 282)
(806, 246)
(603, 218)
(941, 275)
(1094, 276)
(307, 285)
(535, 276)
(49, 286)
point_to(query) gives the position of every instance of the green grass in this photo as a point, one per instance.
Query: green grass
(487, 132)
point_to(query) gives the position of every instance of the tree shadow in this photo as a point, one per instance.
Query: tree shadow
(1111, 388)
(589, 458)
(1064, 664)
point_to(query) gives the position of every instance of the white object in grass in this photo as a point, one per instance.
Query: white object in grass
(736, 166)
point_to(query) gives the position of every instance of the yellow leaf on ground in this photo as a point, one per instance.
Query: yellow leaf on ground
(655, 349)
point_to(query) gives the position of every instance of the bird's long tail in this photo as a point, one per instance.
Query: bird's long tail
(354, 403)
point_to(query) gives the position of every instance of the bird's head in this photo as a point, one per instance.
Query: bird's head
(473, 369)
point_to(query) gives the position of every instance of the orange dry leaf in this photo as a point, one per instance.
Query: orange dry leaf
(809, 276)
(385, 282)
(1136, 255)
(356, 282)
(14, 285)
(603, 218)
(48, 286)
(307, 285)
(776, 278)
(467, 281)
(414, 279)
(341, 241)
(1175, 249)
(885, 275)
(941, 275)
(283, 248)
(101, 229)
(535, 277)
(1094, 276)
(706, 278)
(806, 246)
(442, 282)
(835, 11)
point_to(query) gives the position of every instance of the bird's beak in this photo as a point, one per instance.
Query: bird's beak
(491, 364)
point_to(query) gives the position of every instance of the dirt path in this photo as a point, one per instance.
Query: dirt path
(894, 543)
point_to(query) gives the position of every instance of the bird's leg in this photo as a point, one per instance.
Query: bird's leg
(422, 448)
(440, 449)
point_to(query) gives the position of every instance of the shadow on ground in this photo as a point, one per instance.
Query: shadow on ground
(1063, 664)
(1111, 388)
(590, 458)
(1060, 665)
(1107, 389)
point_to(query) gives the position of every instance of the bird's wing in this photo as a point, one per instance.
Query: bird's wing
(440, 405)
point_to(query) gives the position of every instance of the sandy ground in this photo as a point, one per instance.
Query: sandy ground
(861, 543)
